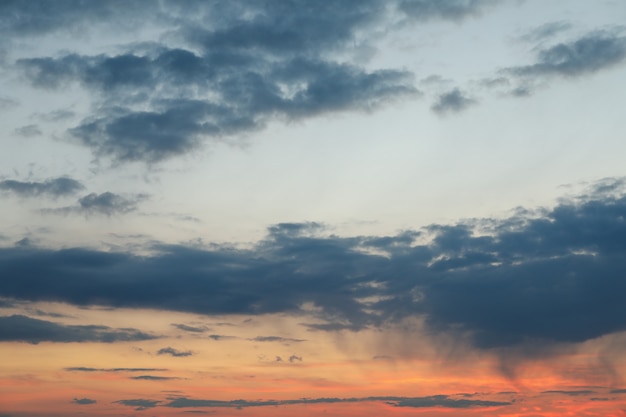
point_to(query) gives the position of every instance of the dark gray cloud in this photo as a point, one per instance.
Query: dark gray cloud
(235, 73)
(591, 53)
(174, 352)
(444, 401)
(543, 277)
(444, 9)
(248, 94)
(18, 328)
(139, 404)
(276, 339)
(453, 101)
(294, 358)
(83, 401)
(86, 369)
(53, 187)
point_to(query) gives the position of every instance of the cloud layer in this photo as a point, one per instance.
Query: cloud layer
(475, 278)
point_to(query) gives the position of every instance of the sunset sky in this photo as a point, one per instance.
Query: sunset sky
(279, 208)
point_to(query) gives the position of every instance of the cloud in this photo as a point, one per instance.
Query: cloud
(294, 358)
(28, 131)
(446, 402)
(443, 9)
(236, 74)
(152, 378)
(538, 278)
(139, 404)
(576, 393)
(174, 352)
(53, 187)
(8, 103)
(83, 401)
(221, 337)
(546, 31)
(107, 203)
(40, 17)
(591, 53)
(86, 369)
(192, 329)
(18, 328)
(416, 402)
(248, 97)
(453, 101)
(276, 339)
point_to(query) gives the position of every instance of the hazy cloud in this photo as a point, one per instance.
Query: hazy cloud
(18, 328)
(453, 101)
(546, 31)
(443, 9)
(152, 378)
(53, 187)
(38, 17)
(28, 131)
(7, 103)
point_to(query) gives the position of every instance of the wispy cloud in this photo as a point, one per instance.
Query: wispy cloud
(87, 369)
(139, 404)
(174, 352)
(276, 339)
(107, 204)
(444, 401)
(53, 187)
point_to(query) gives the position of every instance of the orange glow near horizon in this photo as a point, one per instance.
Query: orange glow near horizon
(346, 370)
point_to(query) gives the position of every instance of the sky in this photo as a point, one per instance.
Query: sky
(352, 207)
